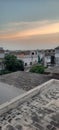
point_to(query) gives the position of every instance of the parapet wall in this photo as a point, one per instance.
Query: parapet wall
(24, 97)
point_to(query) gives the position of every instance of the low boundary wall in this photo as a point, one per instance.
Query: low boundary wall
(24, 97)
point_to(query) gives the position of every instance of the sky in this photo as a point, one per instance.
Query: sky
(29, 24)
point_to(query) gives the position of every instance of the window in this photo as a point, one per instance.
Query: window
(32, 53)
(30, 63)
(25, 64)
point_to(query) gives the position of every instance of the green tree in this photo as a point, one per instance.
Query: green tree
(12, 63)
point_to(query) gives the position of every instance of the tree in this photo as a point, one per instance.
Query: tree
(12, 63)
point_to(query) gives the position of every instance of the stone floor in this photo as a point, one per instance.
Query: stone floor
(40, 112)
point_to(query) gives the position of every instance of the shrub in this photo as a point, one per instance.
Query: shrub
(37, 69)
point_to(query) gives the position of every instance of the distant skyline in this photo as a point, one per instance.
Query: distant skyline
(29, 24)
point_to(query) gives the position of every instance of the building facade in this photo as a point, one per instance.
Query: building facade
(57, 56)
(29, 58)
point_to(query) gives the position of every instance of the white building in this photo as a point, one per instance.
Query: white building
(47, 60)
(45, 57)
(29, 58)
(57, 55)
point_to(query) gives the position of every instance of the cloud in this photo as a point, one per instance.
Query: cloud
(21, 26)
(26, 25)
(25, 30)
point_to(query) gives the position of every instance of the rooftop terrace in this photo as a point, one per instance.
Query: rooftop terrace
(37, 109)
(24, 80)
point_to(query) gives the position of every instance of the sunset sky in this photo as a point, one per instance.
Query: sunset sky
(29, 24)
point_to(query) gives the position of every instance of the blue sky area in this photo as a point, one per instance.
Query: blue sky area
(17, 16)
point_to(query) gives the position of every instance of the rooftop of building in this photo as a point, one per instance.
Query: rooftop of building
(38, 109)
(53, 70)
(24, 80)
(20, 52)
(27, 52)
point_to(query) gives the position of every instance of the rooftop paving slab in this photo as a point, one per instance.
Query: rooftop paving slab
(37, 109)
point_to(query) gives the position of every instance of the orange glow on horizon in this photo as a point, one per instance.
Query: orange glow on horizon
(43, 30)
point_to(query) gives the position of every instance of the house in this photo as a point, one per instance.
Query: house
(46, 56)
(57, 56)
(28, 57)
(49, 56)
